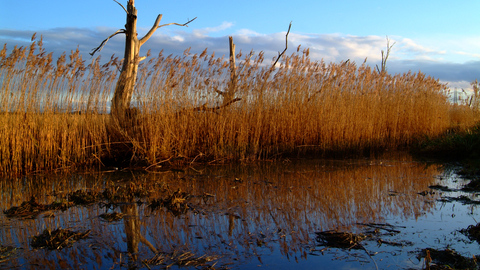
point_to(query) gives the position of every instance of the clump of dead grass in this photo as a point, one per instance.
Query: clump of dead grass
(32, 208)
(176, 202)
(110, 217)
(183, 259)
(54, 114)
(57, 239)
(84, 197)
(446, 259)
(344, 240)
(472, 232)
(7, 253)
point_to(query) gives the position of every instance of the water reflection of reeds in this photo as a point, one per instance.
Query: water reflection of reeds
(254, 211)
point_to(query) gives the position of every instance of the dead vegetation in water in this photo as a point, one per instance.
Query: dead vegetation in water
(348, 241)
(446, 259)
(473, 185)
(6, 253)
(57, 239)
(372, 231)
(462, 199)
(343, 240)
(176, 202)
(472, 232)
(127, 192)
(32, 208)
(110, 217)
(441, 188)
(301, 106)
(183, 259)
(84, 197)
(112, 195)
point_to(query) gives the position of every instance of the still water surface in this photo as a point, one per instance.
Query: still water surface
(262, 216)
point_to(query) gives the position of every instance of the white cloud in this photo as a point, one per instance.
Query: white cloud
(474, 55)
(406, 54)
(407, 48)
(465, 85)
(208, 30)
(247, 32)
(178, 38)
(223, 26)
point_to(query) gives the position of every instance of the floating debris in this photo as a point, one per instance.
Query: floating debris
(112, 194)
(343, 240)
(175, 202)
(32, 208)
(441, 188)
(382, 226)
(472, 232)
(6, 253)
(125, 193)
(114, 216)
(446, 259)
(426, 192)
(462, 199)
(395, 244)
(83, 197)
(182, 259)
(57, 239)
(340, 239)
(473, 185)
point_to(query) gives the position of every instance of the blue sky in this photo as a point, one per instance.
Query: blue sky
(440, 38)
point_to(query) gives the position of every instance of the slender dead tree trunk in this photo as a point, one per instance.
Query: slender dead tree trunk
(122, 97)
(128, 75)
(229, 94)
(232, 88)
(385, 56)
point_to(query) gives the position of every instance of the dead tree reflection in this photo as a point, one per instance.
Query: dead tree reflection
(131, 222)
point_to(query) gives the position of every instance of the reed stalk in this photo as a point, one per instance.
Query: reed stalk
(54, 115)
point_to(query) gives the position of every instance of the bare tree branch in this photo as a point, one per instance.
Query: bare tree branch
(272, 68)
(207, 109)
(121, 6)
(99, 48)
(155, 27)
(286, 45)
(152, 30)
(185, 24)
(218, 91)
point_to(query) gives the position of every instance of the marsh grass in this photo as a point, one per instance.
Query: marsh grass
(456, 144)
(54, 114)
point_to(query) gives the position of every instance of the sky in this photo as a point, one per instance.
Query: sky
(439, 38)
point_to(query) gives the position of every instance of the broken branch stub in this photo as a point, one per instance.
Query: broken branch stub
(286, 45)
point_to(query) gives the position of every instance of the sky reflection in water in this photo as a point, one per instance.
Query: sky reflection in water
(261, 215)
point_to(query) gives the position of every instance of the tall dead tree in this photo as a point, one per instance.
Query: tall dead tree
(128, 75)
(228, 95)
(385, 56)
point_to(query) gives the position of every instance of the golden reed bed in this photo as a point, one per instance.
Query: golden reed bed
(54, 112)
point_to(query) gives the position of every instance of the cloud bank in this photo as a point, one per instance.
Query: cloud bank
(406, 54)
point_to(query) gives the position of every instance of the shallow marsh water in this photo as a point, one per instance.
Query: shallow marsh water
(248, 217)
